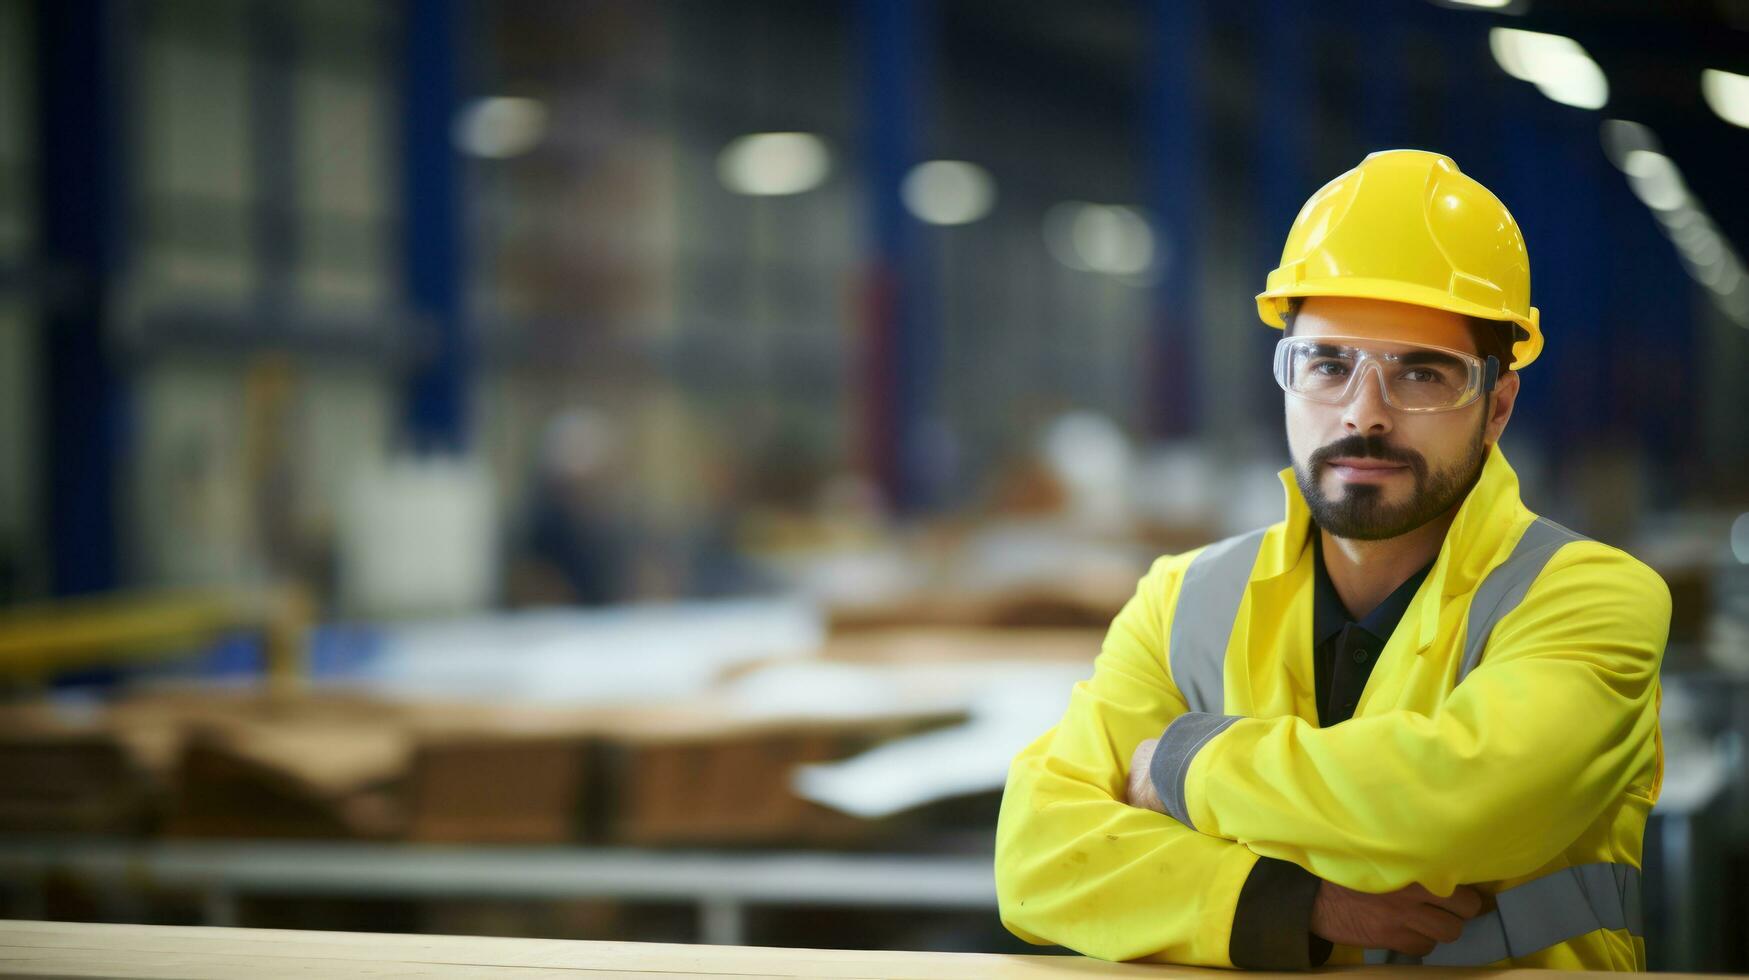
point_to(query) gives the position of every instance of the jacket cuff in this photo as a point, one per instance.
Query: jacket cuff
(1272, 924)
(1178, 746)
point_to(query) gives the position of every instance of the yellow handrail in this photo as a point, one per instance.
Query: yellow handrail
(41, 639)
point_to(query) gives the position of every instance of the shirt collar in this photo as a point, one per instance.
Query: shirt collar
(1329, 615)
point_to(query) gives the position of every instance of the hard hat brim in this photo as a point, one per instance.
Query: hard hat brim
(1272, 305)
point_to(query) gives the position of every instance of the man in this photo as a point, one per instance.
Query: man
(1413, 721)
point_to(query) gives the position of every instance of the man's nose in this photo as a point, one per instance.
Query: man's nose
(1367, 412)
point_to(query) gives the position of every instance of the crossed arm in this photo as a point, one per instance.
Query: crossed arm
(1409, 920)
(1555, 723)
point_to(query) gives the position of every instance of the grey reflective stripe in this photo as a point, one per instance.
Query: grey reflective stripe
(1183, 738)
(1558, 907)
(1505, 586)
(1202, 621)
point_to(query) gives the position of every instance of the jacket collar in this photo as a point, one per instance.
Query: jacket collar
(1488, 523)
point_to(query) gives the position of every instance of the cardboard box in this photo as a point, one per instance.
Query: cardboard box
(62, 773)
(690, 779)
(308, 766)
(497, 774)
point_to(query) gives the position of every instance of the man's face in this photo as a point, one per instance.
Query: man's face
(1370, 471)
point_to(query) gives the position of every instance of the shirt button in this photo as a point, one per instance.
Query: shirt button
(1360, 656)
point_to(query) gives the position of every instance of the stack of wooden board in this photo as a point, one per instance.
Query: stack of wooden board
(64, 771)
(229, 765)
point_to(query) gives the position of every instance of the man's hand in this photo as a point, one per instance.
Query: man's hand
(1140, 792)
(1410, 920)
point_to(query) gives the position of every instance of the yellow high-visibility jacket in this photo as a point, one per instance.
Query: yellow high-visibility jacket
(1507, 738)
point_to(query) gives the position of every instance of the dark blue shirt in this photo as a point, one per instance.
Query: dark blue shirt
(1272, 922)
(1344, 649)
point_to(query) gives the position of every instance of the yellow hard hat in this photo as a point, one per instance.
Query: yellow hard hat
(1409, 226)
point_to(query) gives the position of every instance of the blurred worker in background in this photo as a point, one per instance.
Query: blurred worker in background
(1411, 722)
(577, 548)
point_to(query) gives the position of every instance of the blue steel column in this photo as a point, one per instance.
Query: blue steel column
(1475, 96)
(79, 48)
(899, 353)
(1176, 134)
(1284, 137)
(273, 157)
(1384, 71)
(1540, 172)
(1498, 131)
(432, 220)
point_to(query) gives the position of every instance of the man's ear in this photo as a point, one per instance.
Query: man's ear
(1504, 396)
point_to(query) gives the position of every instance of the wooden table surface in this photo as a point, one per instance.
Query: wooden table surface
(70, 949)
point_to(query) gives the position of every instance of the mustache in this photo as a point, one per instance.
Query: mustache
(1367, 447)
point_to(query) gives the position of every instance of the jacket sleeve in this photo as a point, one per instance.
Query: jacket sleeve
(1558, 721)
(1079, 867)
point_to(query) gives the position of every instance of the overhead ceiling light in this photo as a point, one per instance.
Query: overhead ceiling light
(1114, 240)
(772, 164)
(1676, 220)
(1513, 7)
(1621, 137)
(1104, 238)
(1736, 305)
(1728, 95)
(1712, 262)
(1716, 276)
(1531, 56)
(1730, 280)
(1692, 233)
(1655, 180)
(1708, 253)
(499, 127)
(1558, 66)
(948, 192)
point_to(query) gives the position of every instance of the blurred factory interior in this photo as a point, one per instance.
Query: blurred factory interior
(655, 461)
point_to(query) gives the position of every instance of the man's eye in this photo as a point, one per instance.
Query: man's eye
(1329, 369)
(1422, 375)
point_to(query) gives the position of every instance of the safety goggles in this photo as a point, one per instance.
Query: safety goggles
(1412, 377)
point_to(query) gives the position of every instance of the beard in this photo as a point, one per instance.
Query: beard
(1362, 514)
